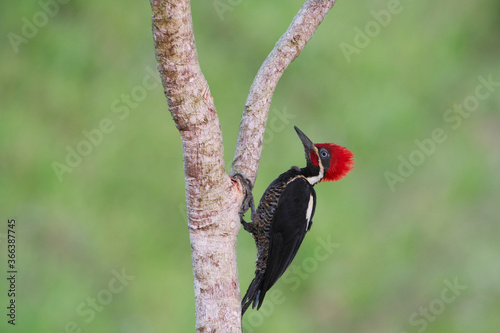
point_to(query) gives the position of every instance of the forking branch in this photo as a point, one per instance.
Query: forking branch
(213, 198)
(289, 46)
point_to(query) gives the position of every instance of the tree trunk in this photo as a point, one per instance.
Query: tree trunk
(213, 198)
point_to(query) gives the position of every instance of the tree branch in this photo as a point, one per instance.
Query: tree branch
(212, 198)
(253, 122)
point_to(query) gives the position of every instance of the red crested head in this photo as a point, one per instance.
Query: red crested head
(325, 161)
(341, 161)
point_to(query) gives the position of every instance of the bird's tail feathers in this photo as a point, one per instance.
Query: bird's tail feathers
(255, 293)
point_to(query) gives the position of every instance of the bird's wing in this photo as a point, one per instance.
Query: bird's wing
(289, 227)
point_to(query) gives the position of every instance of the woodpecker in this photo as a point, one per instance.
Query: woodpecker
(285, 213)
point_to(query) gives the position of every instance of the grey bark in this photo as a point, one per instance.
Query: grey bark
(213, 198)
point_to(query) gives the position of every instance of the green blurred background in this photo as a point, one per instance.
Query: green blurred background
(121, 209)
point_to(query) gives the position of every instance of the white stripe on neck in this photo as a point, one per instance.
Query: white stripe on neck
(315, 179)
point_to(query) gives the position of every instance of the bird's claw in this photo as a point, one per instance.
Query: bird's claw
(248, 202)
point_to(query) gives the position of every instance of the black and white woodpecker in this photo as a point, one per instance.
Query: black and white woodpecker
(285, 213)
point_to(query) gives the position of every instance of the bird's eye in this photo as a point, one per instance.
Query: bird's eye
(323, 153)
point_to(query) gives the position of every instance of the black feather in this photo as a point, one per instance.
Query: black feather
(290, 195)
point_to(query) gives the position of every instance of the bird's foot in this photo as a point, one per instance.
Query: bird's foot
(248, 202)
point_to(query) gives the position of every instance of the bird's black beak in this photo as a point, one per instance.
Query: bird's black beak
(308, 145)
